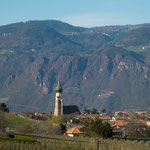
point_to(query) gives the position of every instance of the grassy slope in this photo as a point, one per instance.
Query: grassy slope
(137, 49)
(90, 143)
(15, 121)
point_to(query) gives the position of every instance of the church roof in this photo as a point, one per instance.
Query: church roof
(71, 109)
(58, 87)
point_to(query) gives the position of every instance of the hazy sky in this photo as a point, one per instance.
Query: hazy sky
(87, 13)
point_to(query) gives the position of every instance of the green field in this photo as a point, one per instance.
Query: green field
(137, 49)
(18, 124)
(6, 52)
(14, 121)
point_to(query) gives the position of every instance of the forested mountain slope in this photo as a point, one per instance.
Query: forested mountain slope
(103, 67)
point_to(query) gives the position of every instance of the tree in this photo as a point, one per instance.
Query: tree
(3, 107)
(56, 123)
(94, 111)
(3, 123)
(62, 128)
(95, 127)
(106, 130)
(137, 129)
(54, 120)
(104, 110)
(87, 111)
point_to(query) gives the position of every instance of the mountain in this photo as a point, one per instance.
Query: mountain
(135, 38)
(102, 67)
(29, 37)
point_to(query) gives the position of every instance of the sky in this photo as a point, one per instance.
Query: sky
(85, 13)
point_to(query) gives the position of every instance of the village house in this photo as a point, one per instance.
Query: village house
(77, 130)
(143, 113)
(119, 127)
(121, 114)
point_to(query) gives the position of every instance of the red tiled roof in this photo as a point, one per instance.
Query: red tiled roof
(74, 130)
(120, 123)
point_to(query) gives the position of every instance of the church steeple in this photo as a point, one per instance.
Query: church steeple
(58, 100)
(59, 88)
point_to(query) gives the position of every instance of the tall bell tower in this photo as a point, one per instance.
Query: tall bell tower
(58, 100)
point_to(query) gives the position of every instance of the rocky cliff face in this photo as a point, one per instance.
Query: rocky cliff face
(95, 72)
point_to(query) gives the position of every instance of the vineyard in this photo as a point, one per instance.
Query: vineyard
(72, 144)
(25, 134)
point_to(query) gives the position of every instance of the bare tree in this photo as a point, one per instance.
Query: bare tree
(137, 129)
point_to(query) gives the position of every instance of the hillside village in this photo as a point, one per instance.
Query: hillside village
(121, 122)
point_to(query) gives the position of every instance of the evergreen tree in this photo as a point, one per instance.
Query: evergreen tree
(3, 107)
(95, 127)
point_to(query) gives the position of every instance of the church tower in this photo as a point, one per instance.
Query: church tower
(58, 100)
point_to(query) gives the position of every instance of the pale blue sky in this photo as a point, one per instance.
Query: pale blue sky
(87, 13)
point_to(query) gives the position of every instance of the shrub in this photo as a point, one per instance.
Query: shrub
(46, 128)
(25, 138)
(26, 128)
(95, 127)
